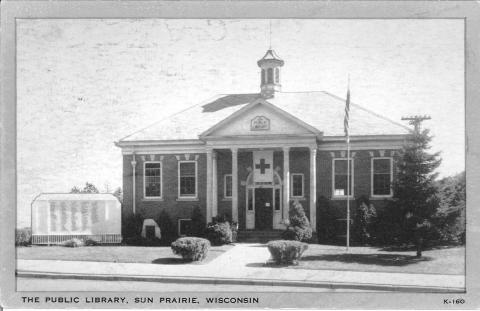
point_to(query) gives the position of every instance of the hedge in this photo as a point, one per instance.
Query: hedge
(191, 248)
(286, 252)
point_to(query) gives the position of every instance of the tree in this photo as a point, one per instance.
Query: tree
(414, 189)
(450, 217)
(89, 188)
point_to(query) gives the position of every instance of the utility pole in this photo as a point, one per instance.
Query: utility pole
(416, 121)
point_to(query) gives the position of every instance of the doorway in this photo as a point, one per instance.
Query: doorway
(263, 208)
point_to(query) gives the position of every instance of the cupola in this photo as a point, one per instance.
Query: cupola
(270, 74)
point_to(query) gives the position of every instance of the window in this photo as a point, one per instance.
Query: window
(227, 186)
(250, 200)
(277, 199)
(152, 180)
(270, 75)
(187, 179)
(263, 76)
(184, 226)
(340, 177)
(381, 176)
(297, 185)
(277, 75)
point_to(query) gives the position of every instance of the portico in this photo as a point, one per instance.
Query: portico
(261, 179)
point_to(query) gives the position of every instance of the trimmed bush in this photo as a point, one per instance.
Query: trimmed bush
(219, 233)
(299, 227)
(286, 252)
(191, 248)
(23, 237)
(73, 243)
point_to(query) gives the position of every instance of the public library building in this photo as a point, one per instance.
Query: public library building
(248, 156)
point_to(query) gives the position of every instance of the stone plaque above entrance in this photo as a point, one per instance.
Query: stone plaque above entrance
(260, 123)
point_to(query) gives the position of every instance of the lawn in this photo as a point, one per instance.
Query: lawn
(138, 254)
(447, 260)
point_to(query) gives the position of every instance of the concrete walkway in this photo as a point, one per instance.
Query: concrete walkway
(243, 264)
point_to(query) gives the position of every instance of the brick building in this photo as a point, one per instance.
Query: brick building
(248, 156)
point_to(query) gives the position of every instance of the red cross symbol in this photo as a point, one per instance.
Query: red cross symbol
(262, 166)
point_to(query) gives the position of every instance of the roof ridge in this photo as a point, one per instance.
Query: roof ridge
(369, 111)
(172, 115)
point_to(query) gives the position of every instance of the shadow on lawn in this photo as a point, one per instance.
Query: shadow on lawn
(370, 259)
(169, 261)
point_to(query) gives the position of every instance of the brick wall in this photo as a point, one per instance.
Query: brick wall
(152, 208)
(299, 163)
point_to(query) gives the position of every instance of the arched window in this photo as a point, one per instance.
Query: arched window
(270, 75)
(263, 76)
(277, 75)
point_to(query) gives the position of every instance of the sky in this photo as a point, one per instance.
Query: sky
(83, 84)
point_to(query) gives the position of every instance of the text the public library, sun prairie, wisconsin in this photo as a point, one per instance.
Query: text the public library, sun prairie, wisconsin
(138, 300)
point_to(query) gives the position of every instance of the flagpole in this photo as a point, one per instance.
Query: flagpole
(348, 193)
(348, 161)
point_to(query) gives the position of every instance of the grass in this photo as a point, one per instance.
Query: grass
(446, 260)
(137, 254)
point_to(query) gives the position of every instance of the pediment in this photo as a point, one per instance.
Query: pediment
(260, 119)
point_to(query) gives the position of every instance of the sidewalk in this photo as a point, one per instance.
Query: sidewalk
(243, 264)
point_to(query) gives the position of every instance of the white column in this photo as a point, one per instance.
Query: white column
(215, 186)
(134, 164)
(209, 185)
(313, 187)
(235, 184)
(286, 182)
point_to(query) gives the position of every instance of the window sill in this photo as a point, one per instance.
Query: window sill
(226, 199)
(192, 199)
(152, 199)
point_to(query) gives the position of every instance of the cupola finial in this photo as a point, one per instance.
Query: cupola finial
(270, 74)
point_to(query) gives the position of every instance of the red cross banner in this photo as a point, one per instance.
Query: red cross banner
(263, 166)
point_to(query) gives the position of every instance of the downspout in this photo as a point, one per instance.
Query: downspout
(134, 164)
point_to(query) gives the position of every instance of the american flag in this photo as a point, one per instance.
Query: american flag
(347, 116)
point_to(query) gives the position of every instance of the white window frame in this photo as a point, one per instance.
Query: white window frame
(291, 186)
(144, 182)
(353, 179)
(189, 197)
(371, 177)
(178, 226)
(225, 186)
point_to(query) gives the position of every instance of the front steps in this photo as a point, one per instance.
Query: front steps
(256, 236)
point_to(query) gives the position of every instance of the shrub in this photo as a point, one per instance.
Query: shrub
(169, 234)
(191, 248)
(90, 242)
(390, 226)
(364, 220)
(197, 224)
(219, 233)
(73, 243)
(132, 225)
(23, 237)
(325, 221)
(286, 252)
(299, 227)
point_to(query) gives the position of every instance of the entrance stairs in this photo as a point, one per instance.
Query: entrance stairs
(257, 236)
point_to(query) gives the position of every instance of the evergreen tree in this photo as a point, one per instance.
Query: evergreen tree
(415, 192)
(299, 227)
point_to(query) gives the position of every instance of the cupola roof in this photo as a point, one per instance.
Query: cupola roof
(269, 57)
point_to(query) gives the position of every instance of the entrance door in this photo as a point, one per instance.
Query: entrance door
(263, 208)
